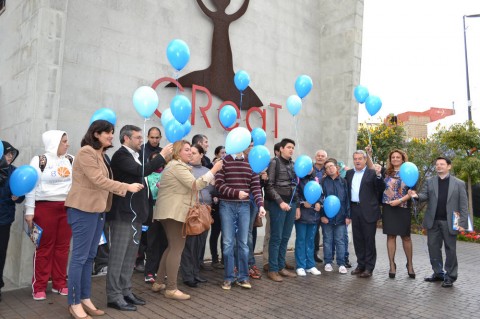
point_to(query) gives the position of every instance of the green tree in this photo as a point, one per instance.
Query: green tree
(464, 142)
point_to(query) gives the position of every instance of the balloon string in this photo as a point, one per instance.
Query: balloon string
(175, 75)
(241, 100)
(143, 153)
(135, 231)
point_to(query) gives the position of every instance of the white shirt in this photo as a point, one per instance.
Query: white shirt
(356, 181)
(134, 154)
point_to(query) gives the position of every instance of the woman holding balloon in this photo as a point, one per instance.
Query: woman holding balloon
(396, 217)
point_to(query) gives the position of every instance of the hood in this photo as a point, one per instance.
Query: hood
(51, 140)
(7, 147)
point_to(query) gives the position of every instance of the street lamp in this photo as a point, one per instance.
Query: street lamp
(466, 62)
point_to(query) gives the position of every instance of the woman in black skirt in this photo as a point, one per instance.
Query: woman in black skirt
(396, 216)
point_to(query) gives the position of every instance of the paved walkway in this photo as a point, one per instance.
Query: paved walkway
(329, 295)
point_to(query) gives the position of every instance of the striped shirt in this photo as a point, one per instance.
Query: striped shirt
(235, 176)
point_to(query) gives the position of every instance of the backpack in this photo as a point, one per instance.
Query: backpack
(42, 161)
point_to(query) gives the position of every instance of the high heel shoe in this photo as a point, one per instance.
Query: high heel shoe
(410, 274)
(75, 316)
(92, 312)
(391, 275)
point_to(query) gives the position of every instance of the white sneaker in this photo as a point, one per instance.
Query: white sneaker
(314, 271)
(301, 272)
(342, 270)
(328, 267)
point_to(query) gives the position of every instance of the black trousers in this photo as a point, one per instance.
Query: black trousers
(156, 244)
(363, 240)
(215, 231)
(4, 239)
(190, 263)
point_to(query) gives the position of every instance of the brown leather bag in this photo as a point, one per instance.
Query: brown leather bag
(199, 217)
(258, 221)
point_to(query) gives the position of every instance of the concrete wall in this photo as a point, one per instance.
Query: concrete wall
(60, 60)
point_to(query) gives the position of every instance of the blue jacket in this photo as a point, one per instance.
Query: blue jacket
(307, 215)
(339, 188)
(7, 205)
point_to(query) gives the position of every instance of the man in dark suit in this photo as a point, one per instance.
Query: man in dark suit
(445, 194)
(126, 217)
(364, 185)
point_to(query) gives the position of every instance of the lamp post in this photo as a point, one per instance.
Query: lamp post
(466, 62)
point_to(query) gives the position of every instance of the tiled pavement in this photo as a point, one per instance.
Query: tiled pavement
(329, 295)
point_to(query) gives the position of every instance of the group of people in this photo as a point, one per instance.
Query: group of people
(144, 193)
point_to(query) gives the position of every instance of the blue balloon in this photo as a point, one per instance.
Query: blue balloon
(104, 114)
(187, 127)
(1, 148)
(331, 206)
(23, 180)
(259, 158)
(303, 85)
(167, 116)
(228, 116)
(409, 174)
(312, 192)
(181, 108)
(259, 136)
(145, 100)
(242, 80)
(178, 54)
(174, 131)
(373, 104)
(294, 104)
(303, 165)
(237, 140)
(360, 93)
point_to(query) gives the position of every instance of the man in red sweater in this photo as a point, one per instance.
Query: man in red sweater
(235, 182)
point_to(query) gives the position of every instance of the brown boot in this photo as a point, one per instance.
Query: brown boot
(273, 275)
(285, 273)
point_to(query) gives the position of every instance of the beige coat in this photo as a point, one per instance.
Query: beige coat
(91, 187)
(175, 191)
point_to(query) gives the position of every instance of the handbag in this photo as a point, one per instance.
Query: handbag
(258, 221)
(199, 217)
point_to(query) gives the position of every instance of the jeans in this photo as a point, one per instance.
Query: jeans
(235, 224)
(304, 245)
(86, 231)
(334, 235)
(281, 225)
(252, 234)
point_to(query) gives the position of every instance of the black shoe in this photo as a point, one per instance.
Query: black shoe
(122, 306)
(191, 284)
(434, 277)
(410, 274)
(200, 280)
(348, 264)
(135, 300)
(317, 259)
(365, 274)
(357, 271)
(391, 275)
(447, 283)
(204, 266)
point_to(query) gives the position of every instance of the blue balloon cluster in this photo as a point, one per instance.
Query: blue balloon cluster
(174, 131)
(242, 80)
(1, 148)
(145, 100)
(167, 116)
(104, 114)
(303, 165)
(178, 54)
(294, 104)
(409, 174)
(312, 192)
(181, 108)
(331, 206)
(303, 85)
(23, 180)
(259, 158)
(187, 127)
(259, 136)
(237, 140)
(228, 115)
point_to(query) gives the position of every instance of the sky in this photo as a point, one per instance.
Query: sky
(413, 55)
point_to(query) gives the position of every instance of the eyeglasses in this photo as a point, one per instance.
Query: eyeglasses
(137, 137)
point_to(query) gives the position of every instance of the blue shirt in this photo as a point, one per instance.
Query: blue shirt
(356, 181)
